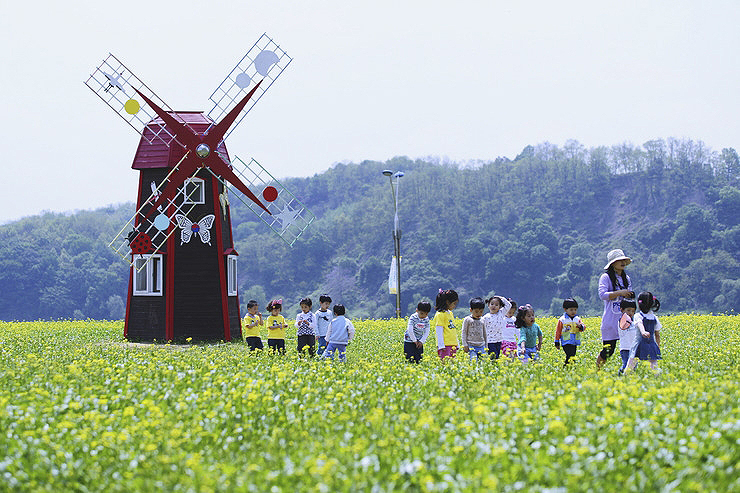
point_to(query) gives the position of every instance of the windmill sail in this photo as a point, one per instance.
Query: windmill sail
(288, 217)
(264, 61)
(147, 232)
(116, 85)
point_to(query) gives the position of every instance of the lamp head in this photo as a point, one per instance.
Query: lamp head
(387, 172)
(399, 174)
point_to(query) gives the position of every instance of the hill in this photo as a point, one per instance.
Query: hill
(536, 228)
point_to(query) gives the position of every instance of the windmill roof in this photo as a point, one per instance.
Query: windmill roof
(154, 153)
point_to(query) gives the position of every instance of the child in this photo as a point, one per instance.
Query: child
(647, 347)
(444, 323)
(338, 335)
(276, 327)
(568, 332)
(417, 332)
(474, 331)
(323, 317)
(305, 322)
(530, 332)
(627, 332)
(252, 321)
(510, 333)
(495, 322)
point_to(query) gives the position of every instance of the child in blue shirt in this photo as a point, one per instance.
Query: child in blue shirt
(530, 338)
(338, 335)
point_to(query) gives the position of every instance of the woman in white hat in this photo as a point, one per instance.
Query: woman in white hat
(614, 286)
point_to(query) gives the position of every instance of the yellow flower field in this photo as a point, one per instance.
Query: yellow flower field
(83, 410)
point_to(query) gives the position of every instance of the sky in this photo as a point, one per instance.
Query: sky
(463, 80)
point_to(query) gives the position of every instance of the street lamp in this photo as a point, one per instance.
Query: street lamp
(396, 234)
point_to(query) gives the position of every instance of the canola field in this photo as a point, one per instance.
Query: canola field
(83, 410)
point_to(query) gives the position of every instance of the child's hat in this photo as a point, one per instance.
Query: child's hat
(615, 255)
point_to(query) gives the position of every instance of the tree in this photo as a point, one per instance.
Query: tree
(727, 208)
(116, 307)
(693, 234)
(729, 168)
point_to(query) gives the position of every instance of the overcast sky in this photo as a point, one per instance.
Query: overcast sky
(369, 80)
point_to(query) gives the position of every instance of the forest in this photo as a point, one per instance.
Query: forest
(535, 228)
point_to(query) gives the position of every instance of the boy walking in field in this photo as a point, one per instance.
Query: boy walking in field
(568, 332)
(323, 317)
(252, 323)
(473, 330)
(340, 332)
(417, 332)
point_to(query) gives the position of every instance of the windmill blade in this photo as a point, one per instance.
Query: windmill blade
(287, 216)
(264, 61)
(117, 86)
(147, 233)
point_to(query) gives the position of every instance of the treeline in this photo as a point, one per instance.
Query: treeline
(536, 228)
(59, 266)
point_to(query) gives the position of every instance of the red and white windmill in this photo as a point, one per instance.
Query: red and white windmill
(185, 285)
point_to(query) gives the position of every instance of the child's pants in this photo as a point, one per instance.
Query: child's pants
(494, 349)
(625, 354)
(509, 348)
(254, 342)
(413, 353)
(475, 351)
(331, 347)
(322, 345)
(570, 351)
(308, 341)
(530, 353)
(277, 345)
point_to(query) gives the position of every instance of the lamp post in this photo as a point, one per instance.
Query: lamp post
(396, 234)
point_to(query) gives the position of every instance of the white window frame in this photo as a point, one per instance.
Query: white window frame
(231, 275)
(149, 268)
(200, 196)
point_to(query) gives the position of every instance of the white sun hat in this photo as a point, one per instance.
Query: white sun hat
(615, 255)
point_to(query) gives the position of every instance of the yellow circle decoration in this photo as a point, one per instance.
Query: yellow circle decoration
(132, 106)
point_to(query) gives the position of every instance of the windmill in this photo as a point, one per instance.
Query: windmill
(179, 244)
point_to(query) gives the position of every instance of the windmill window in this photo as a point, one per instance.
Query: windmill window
(148, 275)
(195, 191)
(231, 272)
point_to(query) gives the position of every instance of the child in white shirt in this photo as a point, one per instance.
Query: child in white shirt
(495, 323)
(323, 318)
(627, 332)
(510, 333)
(305, 323)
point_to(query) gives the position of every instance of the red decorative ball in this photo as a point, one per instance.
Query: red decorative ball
(270, 194)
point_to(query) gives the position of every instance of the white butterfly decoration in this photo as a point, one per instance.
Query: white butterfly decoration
(202, 227)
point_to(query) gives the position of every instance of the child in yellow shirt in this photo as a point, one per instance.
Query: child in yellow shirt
(276, 327)
(252, 322)
(444, 323)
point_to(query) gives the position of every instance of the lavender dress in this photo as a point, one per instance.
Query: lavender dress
(612, 312)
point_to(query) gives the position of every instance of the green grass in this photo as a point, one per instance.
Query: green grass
(83, 410)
